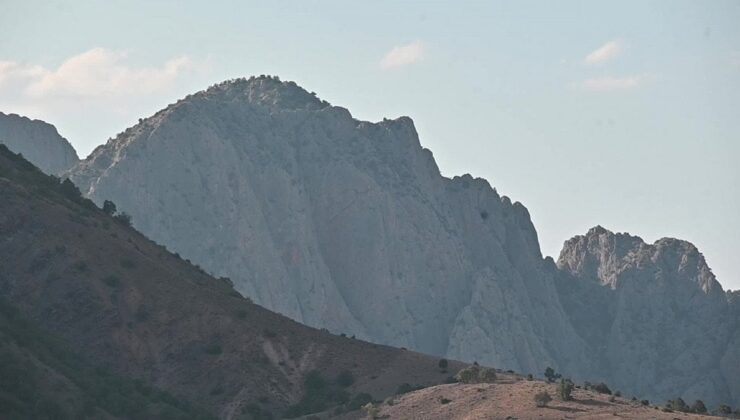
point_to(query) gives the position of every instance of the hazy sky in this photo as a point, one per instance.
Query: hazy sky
(624, 114)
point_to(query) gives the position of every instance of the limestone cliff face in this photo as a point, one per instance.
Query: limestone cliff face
(338, 223)
(654, 316)
(348, 225)
(38, 142)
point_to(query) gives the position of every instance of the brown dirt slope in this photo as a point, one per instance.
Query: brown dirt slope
(129, 305)
(511, 397)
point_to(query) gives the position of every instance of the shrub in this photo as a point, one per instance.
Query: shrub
(442, 364)
(601, 388)
(542, 398)
(345, 378)
(123, 218)
(109, 208)
(551, 375)
(404, 388)
(699, 407)
(444, 400)
(468, 375)
(678, 405)
(565, 389)
(475, 375)
(724, 409)
(530, 377)
(645, 402)
(359, 400)
(487, 375)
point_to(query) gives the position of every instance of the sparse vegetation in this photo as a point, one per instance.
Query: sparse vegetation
(565, 389)
(699, 407)
(602, 388)
(542, 398)
(442, 364)
(475, 374)
(551, 375)
(109, 208)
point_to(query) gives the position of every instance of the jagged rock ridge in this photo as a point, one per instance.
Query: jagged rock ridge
(37, 141)
(349, 225)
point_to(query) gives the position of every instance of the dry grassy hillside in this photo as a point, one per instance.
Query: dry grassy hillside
(512, 397)
(127, 304)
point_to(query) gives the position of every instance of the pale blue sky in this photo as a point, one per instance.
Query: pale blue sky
(643, 136)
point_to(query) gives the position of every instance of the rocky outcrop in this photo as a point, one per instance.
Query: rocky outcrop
(338, 223)
(654, 317)
(37, 141)
(348, 225)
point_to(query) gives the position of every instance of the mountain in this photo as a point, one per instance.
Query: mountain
(338, 223)
(656, 320)
(349, 225)
(126, 305)
(37, 141)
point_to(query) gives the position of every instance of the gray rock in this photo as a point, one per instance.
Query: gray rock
(348, 225)
(38, 142)
(654, 316)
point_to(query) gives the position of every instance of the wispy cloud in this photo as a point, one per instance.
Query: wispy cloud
(90, 94)
(403, 55)
(94, 73)
(606, 52)
(609, 83)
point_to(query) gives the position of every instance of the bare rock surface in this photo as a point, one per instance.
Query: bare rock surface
(37, 141)
(349, 225)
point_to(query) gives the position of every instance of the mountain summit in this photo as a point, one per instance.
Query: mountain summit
(348, 225)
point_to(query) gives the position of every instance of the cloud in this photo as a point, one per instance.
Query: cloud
(605, 52)
(94, 73)
(90, 95)
(403, 55)
(609, 83)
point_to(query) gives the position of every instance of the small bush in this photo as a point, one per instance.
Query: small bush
(109, 207)
(123, 218)
(444, 400)
(468, 375)
(565, 389)
(699, 407)
(601, 388)
(542, 398)
(645, 402)
(442, 364)
(404, 388)
(551, 375)
(678, 405)
(345, 378)
(475, 375)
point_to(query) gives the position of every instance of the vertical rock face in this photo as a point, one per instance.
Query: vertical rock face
(654, 316)
(37, 141)
(348, 225)
(338, 223)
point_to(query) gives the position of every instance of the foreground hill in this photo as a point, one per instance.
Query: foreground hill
(512, 397)
(37, 141)
(348, 225)
(127, 305)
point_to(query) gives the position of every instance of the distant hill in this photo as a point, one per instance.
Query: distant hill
(124, 304)
(348, 225)
(37, 141)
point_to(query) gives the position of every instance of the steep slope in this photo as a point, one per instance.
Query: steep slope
(654, 316)
(43, 378)
(37, 141)
(127, 305)
(339, 223)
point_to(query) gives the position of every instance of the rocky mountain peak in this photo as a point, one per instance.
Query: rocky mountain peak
(264, 90)
(37, 141)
